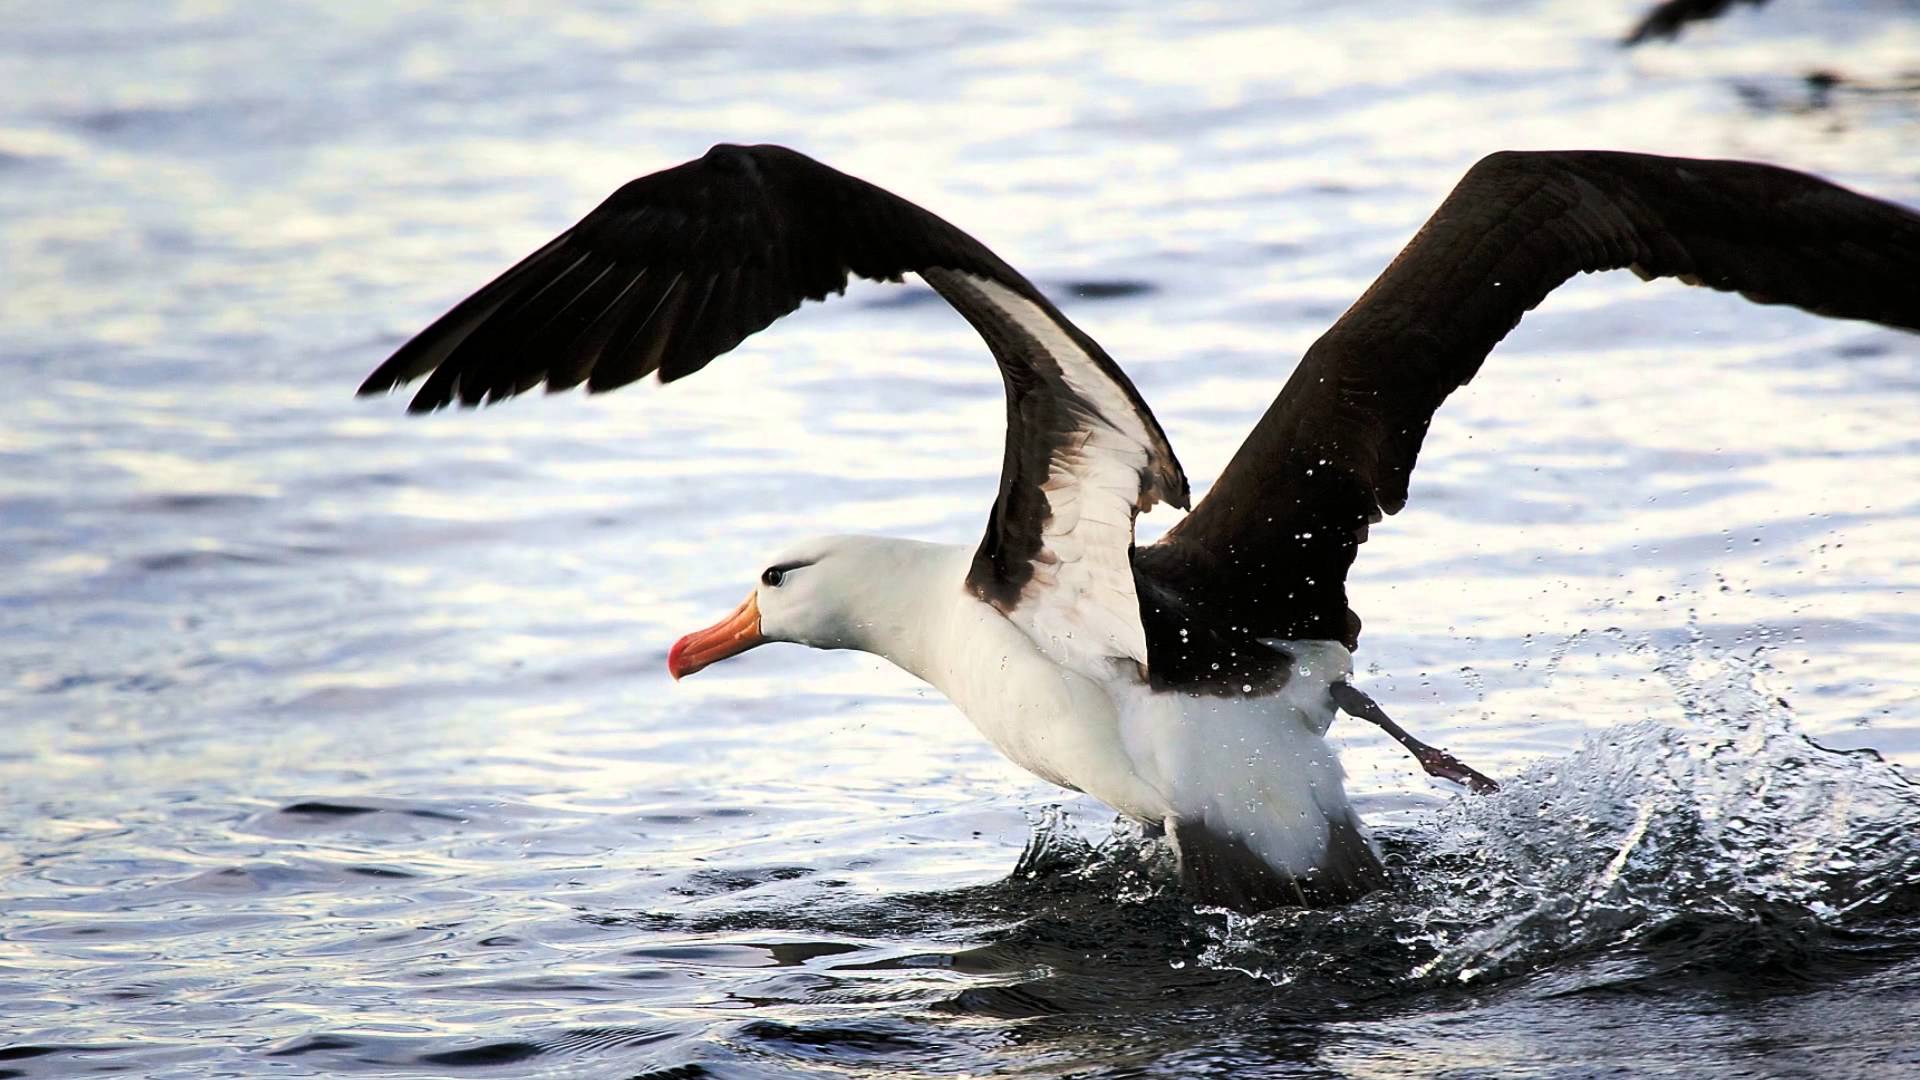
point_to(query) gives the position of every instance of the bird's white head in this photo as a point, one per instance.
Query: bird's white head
(834, 592)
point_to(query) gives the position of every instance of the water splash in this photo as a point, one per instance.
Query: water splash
(1126, 865)
(1733, 818)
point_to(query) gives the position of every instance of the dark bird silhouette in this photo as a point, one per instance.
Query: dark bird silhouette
(1665, 20)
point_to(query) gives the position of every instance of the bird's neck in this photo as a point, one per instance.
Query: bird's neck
(907, 612)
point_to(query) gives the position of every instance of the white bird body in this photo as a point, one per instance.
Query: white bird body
(1255, 768)
(1189, 682)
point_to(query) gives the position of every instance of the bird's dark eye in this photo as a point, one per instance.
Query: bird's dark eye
(772, 576)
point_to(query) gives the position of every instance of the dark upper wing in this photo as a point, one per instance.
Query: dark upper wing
(1270, 544)
(672, 270)
(680, 266)
(1664, 20)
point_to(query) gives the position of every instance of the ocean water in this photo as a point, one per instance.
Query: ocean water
(336, 741)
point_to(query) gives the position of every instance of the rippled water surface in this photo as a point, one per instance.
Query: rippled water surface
(337, 741)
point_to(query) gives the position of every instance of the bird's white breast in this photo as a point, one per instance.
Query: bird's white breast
(1258, 766)
(1050, 720)
(1253, 767)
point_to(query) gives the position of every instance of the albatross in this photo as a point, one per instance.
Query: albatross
(1665, 19)
(1188, 683)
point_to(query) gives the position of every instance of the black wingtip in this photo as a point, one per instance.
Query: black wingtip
(432, 397)
(400, 368)
(383, 378)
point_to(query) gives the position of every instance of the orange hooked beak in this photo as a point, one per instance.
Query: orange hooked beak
(730, 636)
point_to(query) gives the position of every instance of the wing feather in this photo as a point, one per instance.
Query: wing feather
(1270, 545)
(679, 267)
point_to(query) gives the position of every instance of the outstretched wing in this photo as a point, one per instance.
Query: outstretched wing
(1269, 546)
(680, 266)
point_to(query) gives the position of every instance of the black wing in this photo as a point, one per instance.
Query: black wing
(1269, 546)
(680, 266)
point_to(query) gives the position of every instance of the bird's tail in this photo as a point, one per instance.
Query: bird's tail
(1219, 866)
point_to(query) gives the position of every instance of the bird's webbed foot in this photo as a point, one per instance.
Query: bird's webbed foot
(1435, 761)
